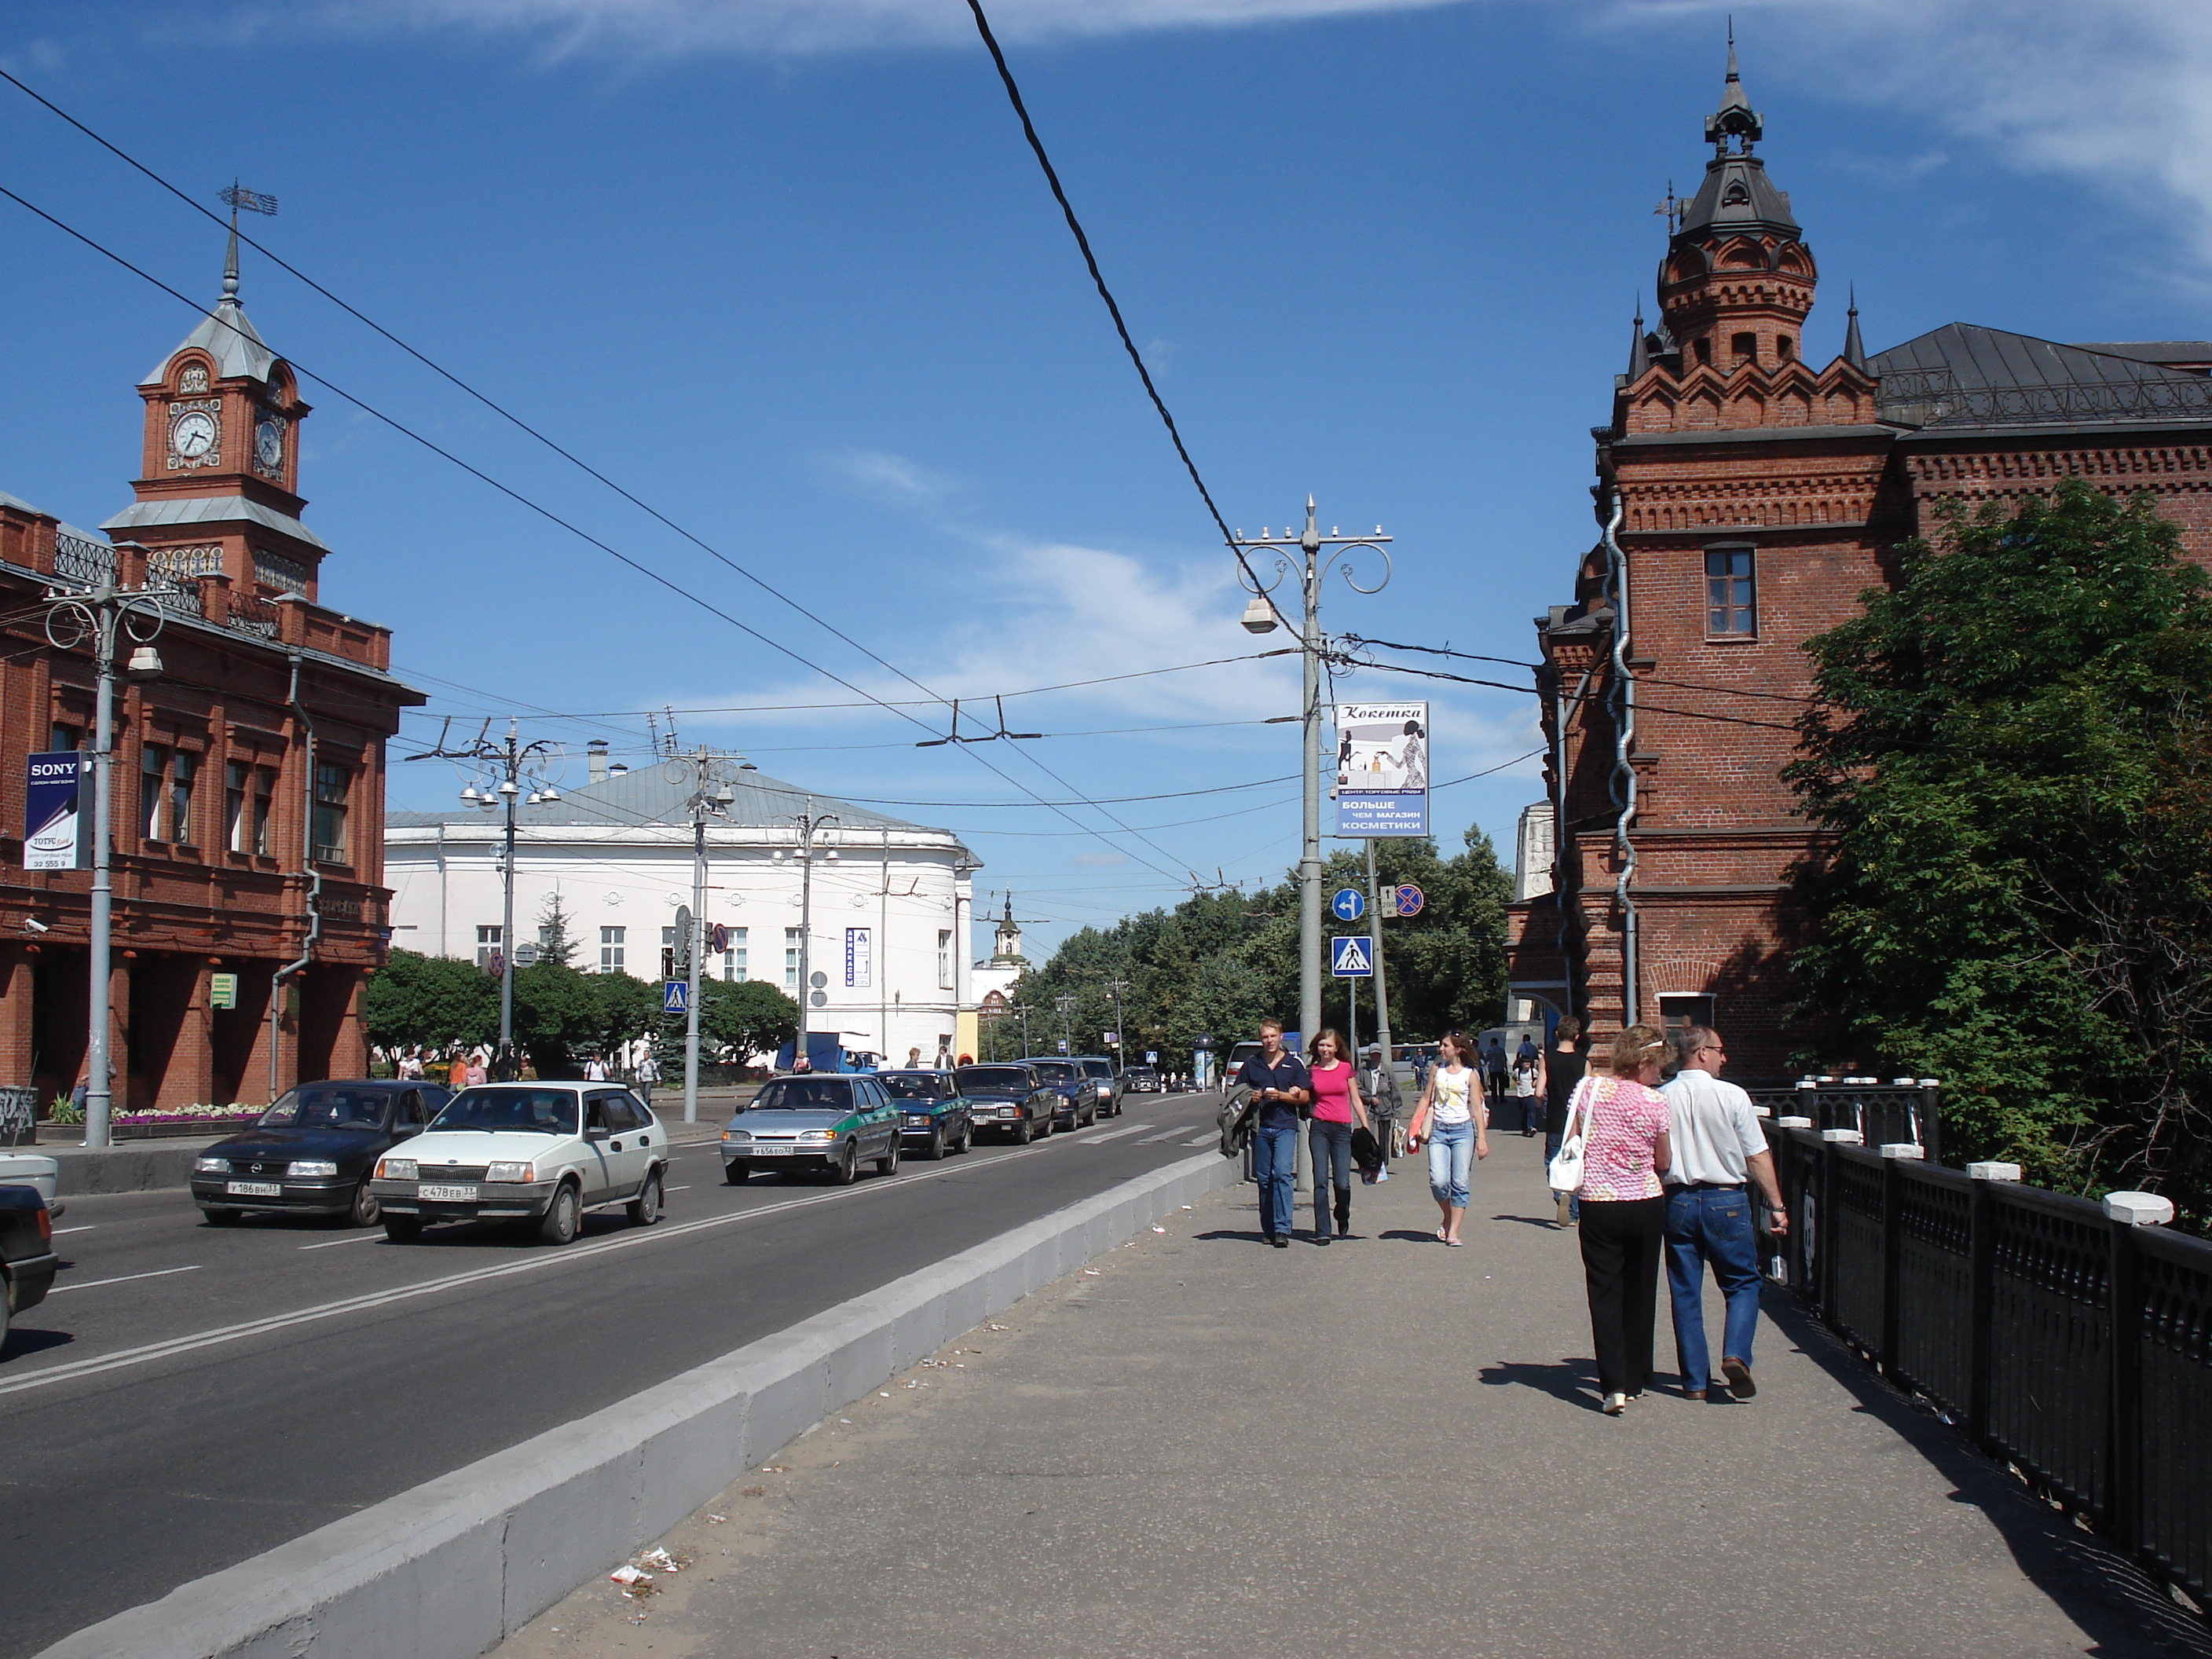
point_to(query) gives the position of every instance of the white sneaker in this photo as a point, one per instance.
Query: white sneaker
(1615, 1404)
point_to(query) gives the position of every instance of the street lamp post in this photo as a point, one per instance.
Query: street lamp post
(1114, 989)
(100, 614)
(1259, 617)
(1067, 1006)
(711, 797)
(809, 824)
(504, 765)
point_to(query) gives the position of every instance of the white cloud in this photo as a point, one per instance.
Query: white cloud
(879, 472)
(685, 27)
(2117, 92)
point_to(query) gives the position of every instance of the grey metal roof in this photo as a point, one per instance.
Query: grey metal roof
(211, 509)
(227, 336)
(655, 793)
(1737, 195)
(1963, 374)
(2174, 354)
(62, 524)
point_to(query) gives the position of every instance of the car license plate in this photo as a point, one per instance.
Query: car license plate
(448, 1194)
(760, 1151)
(255, 1188)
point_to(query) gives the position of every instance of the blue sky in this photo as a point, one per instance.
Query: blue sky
(787, 272)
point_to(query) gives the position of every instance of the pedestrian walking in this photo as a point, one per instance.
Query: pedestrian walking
(1494, 1065)
(474, 1073)
(1454, 1118)
(1719, 1150)
(1560, 1072)
(1624, 1215)
(648, 1073)
(595, 1070)
(1279, 1085)
(1336, 1106)
(913, 1058)
(1378, 1087)
(457, 1074)
(410, 1064)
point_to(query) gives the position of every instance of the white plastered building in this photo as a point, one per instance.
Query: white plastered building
(890, 913)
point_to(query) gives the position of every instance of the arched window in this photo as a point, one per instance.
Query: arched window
(1744, 348)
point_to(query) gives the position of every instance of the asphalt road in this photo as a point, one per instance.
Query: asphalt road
(191, 1396)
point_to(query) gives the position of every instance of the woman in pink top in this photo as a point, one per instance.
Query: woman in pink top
(1624, 1211)
(1336, 1106)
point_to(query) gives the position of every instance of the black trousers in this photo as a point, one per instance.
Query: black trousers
(1623, 1244)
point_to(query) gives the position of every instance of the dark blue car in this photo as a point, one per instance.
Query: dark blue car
(934, 1116)
(312, 1153)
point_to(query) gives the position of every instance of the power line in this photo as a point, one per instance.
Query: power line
(621, 557)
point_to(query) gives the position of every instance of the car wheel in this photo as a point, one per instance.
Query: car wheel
(365, 1211)
(937, 1147)
(1023, 1131)
(967, 1137)
(3, 1321)
(564, 1216)
(402, 1228)
(645, 1209)
(735, 1174)
(846, 1169)
(888, 1164)
(222, 1217)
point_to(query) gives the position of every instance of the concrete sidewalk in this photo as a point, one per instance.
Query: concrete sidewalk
(1202, 1447)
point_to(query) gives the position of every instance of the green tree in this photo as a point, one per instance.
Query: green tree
(556, 1011)
(2012, 757)
(740, 1018)
(554, 944)
(434, 1001)
(628, 1009)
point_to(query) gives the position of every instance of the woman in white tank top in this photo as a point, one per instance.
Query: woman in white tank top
(1454, 1118)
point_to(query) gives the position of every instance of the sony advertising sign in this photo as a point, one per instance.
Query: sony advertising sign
(56, 836)
(1383, 768)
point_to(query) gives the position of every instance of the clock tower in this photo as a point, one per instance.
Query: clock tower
(217, 491)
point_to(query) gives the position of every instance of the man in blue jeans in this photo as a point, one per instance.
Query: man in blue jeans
(1719, 1149)
(1280, 1084)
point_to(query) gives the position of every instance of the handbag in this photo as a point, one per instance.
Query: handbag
(1366, 1150)
(1565, 1173)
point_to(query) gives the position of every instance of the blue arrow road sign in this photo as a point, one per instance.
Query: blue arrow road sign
(1348, 904)
(675, 996)
(1352, 956)
(1409, 900)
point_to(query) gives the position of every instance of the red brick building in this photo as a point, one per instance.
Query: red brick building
(247, 792)
(1756, 496)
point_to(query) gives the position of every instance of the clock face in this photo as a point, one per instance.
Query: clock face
(193, 433)
(268, 443)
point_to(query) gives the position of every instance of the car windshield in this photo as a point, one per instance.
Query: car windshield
(1098, 1068)
(804, 1094)
(1141, 1071)
(912, 1085)
(1055, 1070)
(995, 1079)
(327, 1106)
(530, 1111)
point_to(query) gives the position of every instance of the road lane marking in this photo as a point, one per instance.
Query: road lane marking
(685, 1187)
(87, 1228)
(1165, 1134)
(181, 1344)
(1112, 1134)
(94, 1284)
(358, 1238)
(1203, 1140)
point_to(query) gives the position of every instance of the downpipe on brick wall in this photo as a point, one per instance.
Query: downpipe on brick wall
(312, 871)
(1624, 767)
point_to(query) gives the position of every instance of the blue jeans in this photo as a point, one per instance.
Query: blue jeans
(1331, 1146)
(1451, 1154)
(1552, 1150)
(1710, 1224)
(1275, 1167)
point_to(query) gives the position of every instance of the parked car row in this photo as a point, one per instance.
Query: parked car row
(27, 1209)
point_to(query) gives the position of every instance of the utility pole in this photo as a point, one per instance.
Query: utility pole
(711, 796)
(98, 615)
(1114, 989)
(1067, 1006)
(1300, 555)
(502, 767)
(809, 824)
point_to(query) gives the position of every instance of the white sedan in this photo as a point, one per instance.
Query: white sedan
(538, 1153)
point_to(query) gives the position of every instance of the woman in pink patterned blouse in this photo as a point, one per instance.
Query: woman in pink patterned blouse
(1624, 1211)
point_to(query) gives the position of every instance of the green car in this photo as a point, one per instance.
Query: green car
(824, 1125)
(934, 1117)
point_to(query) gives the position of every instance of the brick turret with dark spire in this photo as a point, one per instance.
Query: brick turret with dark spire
(1733, 292)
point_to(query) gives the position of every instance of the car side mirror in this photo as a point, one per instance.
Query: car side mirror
(597, 1131)
(403, 1130)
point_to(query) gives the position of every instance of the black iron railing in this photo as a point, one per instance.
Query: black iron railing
(2074, 1346)
(1882, 1113)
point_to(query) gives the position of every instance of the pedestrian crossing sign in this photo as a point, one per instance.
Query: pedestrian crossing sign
(675, 996)
(1351, 957)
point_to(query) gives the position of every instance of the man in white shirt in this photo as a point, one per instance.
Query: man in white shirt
(1718, 1149)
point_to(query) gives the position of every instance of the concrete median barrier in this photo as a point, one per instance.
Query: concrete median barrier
(448, 1569)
